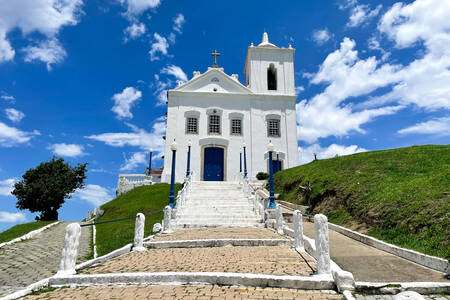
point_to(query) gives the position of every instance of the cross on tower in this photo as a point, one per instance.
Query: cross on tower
(215, 54)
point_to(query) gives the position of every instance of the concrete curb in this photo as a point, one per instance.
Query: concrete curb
(29, 235)
(393, 288)
(315, 282)
(101, 259)
(32, 287)
(344, 280)
(429, 261)
(217, 243)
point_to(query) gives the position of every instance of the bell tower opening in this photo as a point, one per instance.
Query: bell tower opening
(272, 78)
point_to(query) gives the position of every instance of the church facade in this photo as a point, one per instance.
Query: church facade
(217, 116)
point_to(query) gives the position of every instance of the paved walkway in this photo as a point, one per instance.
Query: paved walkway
(370, 264)
(257, 260)
(219, 233)
(26, 262)
(186, 292)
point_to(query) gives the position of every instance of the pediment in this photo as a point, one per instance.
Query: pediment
(214, 81)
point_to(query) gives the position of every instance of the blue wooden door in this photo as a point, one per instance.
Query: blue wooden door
(213, 164)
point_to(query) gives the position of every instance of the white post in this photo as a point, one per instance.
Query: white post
(322, 244)
(138, 244)
(167, 217)
(298, 230)
(279, 219)
(69, 250)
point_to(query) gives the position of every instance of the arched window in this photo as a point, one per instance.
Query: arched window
(271, 78)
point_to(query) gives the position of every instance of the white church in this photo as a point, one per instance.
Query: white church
(218, 116)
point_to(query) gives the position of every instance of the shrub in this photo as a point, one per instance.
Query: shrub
(262, 176)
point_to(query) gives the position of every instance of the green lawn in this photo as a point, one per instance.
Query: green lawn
(144, 199)
(401, 195)
(21, 229)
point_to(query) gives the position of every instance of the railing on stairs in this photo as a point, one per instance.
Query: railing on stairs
(184, 193)
(128, 182)
(258, 197)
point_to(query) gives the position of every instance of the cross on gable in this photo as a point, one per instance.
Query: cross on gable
(215, 54)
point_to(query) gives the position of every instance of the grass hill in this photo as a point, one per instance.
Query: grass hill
(401, 196)
(21, 229)
(144, 199)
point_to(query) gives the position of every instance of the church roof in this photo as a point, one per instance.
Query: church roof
(214, 80)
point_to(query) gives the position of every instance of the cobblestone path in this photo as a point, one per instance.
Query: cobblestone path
(186, 292)
(219, 233)
(391, 297)
(370, 264)
(26, 262)
(257, 260)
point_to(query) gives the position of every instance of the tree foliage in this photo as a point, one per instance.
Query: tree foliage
(45, 188)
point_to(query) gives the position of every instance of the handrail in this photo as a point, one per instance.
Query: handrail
(122, 219)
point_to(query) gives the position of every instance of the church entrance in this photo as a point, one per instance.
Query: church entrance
(213, 164)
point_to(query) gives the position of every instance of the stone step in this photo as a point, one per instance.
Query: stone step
(212, 225)
(217, 203)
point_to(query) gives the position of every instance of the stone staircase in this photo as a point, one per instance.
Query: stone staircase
(217, 204)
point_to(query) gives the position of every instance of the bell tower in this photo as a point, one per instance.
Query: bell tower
(270, 69)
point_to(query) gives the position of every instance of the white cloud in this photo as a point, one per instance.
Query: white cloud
(7, 186)
(161, 88)
(137, 137)
(14, 115)
(134, 31)
(299, 89)
(135, 160)
(425, 82)
(7, 97)
(49, 52)
(94, 194)
(175, 71)
(178, 22)
(11, 136)
(321, 36)
(438, 126)
(361, 14)
(159, 46)
(306, 154)
(7, 217)
(124, 101)
(136, 7)
(69, 150)
(347, 76)
(46, 17)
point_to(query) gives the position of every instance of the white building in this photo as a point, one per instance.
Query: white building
(217, 114)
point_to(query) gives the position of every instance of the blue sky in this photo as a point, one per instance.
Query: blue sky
(86, 80)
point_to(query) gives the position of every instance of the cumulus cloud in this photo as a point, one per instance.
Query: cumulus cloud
(134, 31)
(159, 46)
(306, 154)
(7, 217)
(175, 71)
(138, 158)
(299, 89)
(178, 22)
(137, 137)
(46, 17)
(6, 186)
(361, 14)
(347, 76)
(124, 101)
(321, 36)
(11, 136)
(94, 194)
(137, 7)
(438, 126)
(14, 115)
(49, 52)
(68, 150)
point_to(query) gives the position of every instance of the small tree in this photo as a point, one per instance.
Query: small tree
(44, 188)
